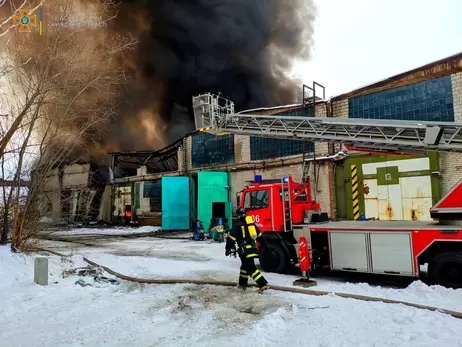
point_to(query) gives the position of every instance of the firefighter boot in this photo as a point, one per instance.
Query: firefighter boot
(243, 279)
(262, 289)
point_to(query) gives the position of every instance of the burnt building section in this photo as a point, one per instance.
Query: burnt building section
(136, 187)
(73, 192)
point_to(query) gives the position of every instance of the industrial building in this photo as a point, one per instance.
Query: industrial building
(393, 187)
(199, 176)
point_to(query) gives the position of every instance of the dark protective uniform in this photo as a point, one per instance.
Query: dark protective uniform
(245, 233)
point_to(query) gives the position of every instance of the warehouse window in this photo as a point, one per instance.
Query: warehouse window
(425, 101)
(210, 150)
(153, 191)
(266, 148)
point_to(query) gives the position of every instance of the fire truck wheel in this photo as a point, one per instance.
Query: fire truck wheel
(446, 269)
(273, 258)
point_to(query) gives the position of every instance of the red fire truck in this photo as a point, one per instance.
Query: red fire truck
(285, 211)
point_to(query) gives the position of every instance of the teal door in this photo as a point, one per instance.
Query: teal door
(176, 203)
(212, 187)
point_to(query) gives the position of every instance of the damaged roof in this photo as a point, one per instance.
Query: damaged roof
(162, 160)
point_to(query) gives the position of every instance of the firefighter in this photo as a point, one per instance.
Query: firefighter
(245, 233)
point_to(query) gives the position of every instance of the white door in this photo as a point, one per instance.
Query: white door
(416, 194)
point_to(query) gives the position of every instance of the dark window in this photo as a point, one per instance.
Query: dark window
(153, 191)
(425, 101)
(266, 148)
(256, 199)
(210, 150)
(155, 204)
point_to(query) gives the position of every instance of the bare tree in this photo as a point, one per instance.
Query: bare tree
(62, 92)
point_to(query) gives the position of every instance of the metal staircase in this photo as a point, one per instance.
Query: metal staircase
(215, 114)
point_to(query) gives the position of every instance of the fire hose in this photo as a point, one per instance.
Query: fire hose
(454, 314)
(273, 287)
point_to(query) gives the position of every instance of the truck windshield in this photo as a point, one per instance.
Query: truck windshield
(256, 199)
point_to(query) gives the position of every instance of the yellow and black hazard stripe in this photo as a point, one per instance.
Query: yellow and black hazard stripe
(222, 133)
(205, 129)
(355, 191)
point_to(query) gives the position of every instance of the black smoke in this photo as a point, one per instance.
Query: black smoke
(240, 48)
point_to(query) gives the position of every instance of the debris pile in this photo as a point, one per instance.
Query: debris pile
(91, 271)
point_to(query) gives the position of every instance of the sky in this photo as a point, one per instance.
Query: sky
(358, 42)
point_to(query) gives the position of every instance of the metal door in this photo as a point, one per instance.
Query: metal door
(213, 186)
(176, 213)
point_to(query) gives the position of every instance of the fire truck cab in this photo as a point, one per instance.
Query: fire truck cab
(276, 206)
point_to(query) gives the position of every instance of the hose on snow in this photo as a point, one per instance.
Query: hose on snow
(274, 287)
(454, 314)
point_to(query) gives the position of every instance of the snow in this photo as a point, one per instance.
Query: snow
(107, 231)
(65, 314)
(152, 259)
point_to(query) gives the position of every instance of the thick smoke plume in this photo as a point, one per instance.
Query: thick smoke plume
(241, 48)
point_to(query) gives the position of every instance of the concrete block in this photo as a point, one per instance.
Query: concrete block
(41, 271)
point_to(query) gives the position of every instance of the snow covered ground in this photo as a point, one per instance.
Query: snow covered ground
(65, 314)
(106, 231)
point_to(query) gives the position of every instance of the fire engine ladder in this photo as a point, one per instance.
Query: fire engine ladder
(216, 115)
(286, 200)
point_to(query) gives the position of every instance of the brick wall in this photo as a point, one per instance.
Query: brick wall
(340, 108)
(242, 149)
(451, 163)
(456, 80)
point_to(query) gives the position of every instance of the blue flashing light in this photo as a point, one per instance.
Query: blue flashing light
(258, 178)
(285, 179)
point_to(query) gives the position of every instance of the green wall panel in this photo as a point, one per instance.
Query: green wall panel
(212, 187)
(340, 191)
(387, 175)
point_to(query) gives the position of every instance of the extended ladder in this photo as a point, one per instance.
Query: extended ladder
(216, 115)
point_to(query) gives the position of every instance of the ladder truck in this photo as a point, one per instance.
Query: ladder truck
(397, 248)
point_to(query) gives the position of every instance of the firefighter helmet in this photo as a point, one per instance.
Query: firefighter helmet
(240, 213)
